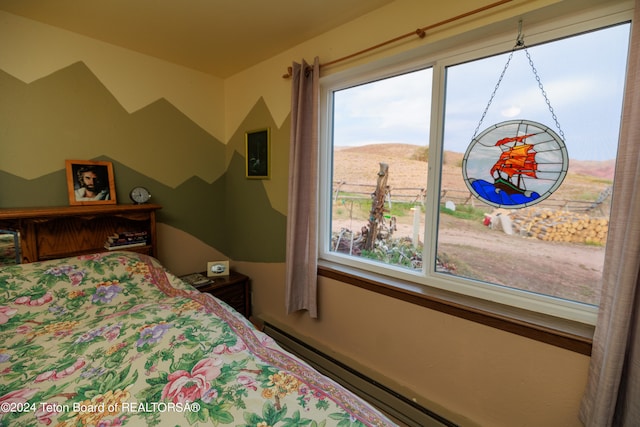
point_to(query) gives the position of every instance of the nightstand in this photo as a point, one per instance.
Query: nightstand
(233, 289)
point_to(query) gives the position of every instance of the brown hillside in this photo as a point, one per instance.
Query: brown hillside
(361, 164)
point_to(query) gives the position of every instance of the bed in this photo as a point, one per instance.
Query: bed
(114, 339)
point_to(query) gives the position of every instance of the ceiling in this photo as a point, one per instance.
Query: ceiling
(218, 37)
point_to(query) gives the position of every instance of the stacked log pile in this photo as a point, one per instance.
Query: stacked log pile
(560, 226)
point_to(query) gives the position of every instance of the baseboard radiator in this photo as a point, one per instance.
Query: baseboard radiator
(398, 407)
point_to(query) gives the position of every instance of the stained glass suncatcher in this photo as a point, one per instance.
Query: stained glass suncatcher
(515, 164)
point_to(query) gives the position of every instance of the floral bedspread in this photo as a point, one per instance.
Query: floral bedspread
(113, 339)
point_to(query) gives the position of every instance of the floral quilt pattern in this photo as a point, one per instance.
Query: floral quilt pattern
(113, 339)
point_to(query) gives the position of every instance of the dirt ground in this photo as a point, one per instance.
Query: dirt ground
(565, 270)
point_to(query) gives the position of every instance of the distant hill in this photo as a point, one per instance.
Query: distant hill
(601, 169)
(404, 151)
(585, 181)
(391, 151)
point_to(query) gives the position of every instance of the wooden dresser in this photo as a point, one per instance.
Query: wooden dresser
(58, 232)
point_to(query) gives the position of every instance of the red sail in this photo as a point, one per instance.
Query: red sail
(518, 160)
(513, 139)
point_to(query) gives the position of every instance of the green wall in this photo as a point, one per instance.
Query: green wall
(70, 113)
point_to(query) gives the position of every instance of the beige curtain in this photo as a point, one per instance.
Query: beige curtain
(302, 212)
(612, 397)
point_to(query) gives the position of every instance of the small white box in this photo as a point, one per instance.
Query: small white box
(217, 268)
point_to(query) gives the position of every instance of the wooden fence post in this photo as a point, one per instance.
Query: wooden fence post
(376, 216)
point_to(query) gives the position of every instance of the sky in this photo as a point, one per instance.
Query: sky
(583, 78)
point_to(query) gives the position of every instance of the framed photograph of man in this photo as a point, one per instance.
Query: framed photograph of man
(90, 182)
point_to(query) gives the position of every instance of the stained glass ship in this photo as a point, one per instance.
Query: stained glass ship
(514, 163)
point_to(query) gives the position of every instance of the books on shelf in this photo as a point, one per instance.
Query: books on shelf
(126, 239)
(123, 246)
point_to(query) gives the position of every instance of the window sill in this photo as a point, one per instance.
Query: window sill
(551, 330)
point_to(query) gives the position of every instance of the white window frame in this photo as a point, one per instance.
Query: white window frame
(438, 60)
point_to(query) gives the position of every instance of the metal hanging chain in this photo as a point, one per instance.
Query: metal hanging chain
(484, 113)
(544, 94)
(520, 45)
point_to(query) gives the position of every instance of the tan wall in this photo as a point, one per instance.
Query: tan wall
(469, 373)
(31, 50)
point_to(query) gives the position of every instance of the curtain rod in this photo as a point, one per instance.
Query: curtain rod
(420, 32)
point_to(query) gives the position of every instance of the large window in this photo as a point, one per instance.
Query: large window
(397, 199)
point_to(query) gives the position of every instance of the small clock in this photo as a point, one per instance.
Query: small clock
(139, 195)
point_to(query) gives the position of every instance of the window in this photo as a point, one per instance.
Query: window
(394, 199)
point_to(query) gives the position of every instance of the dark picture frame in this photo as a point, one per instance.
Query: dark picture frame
(90, 182)
(258, 154)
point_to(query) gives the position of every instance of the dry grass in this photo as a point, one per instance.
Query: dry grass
(361, 164)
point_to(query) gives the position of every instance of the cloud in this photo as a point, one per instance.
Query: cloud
(389, 110)
(511, 111)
